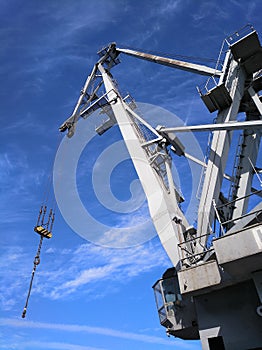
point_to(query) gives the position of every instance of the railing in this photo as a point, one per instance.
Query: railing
(228, 223)
(240, 34)
(210, 84)
(189, 258)
(213, 81)
(187, 252)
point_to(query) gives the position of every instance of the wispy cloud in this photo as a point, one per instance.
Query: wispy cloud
(169, 7)
(69, 274)
(20, 179)
(130, 230)
(250, 8)
(38, 344)
(153, 21)
(12, 274)
(61, 32)
(23, 124)
(113, 266)
(93, 330)
(208, 9)
(46, 345)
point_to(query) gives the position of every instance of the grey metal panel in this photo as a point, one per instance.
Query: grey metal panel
(253, 63)
(246, 47)
(217, 98)
(231, 314)
(240, 253)
(199, 277)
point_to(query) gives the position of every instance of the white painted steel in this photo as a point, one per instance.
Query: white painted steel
(219, 150)
(256, 100)
(163, 206)
(253, 124)
(251, 142)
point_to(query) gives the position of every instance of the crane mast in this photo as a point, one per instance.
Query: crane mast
(220, 260)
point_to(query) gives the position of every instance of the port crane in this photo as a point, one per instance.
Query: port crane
(213, 291)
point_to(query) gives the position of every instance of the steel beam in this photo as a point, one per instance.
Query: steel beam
(190, 67)
(219, 149)
(253, 124)
(163, 207)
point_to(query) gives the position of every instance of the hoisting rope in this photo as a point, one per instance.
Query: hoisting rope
(36, 262)
(44, 229)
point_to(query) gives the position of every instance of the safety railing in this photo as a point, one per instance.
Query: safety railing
(213, 81)
(189, 255)
(224, 225)
(240, 34)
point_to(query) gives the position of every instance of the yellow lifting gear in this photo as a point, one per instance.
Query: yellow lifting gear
(43, 231)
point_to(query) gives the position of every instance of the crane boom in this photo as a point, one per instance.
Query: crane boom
(170, 62)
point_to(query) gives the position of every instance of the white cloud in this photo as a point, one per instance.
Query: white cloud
(50, 250)
(45, 51)
(170, 6)
(18, 172)
(12, 275)
(93, 330)
(72, 271)
(48, 345)
(87, 276)
(131, 230)
(153, 20)
(207, 9)
(20, 180)
(93, 265)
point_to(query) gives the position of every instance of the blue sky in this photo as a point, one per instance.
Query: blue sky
(86, 296)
